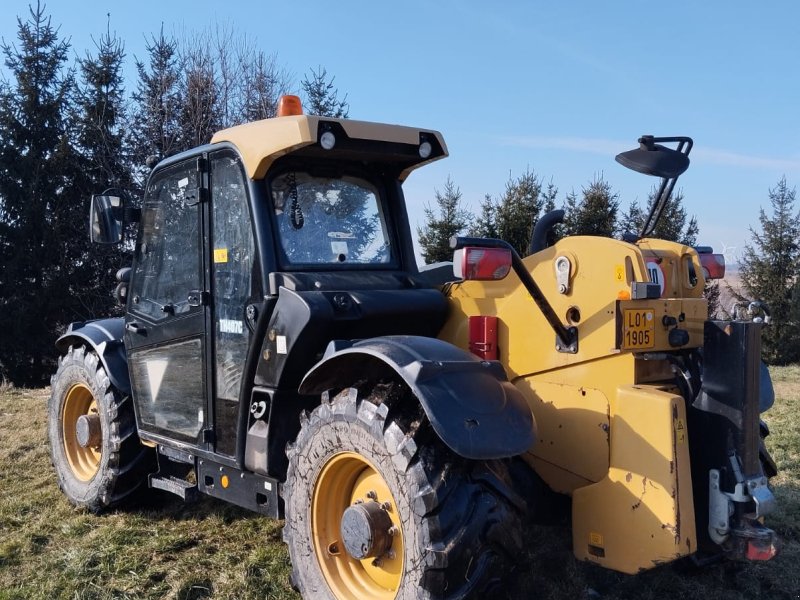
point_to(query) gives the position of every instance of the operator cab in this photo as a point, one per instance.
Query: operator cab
(253, 252)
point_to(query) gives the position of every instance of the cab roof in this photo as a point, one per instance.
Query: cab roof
(261, 143)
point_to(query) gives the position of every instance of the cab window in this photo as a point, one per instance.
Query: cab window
(334, 221)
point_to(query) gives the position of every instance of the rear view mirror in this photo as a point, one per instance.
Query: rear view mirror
(654, 159)
(106, 219)
(651, 158)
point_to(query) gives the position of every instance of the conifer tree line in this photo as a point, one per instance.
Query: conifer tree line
(512, 215)
(769, 267)
(70, 128)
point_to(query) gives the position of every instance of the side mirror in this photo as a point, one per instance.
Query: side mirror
(654, 159)
(651, 158)
(106, 219)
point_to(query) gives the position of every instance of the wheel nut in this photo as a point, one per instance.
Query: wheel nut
(393, 530)
(372, 495)
(390, 554)
(387, 506)
(377, 562)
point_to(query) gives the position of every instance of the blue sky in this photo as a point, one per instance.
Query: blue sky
(557, 87)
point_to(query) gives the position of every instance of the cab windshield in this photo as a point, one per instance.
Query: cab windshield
(329, 220)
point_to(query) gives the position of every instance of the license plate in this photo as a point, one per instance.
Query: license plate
(638, 329)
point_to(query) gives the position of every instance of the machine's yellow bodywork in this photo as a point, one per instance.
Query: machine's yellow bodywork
(611, 430)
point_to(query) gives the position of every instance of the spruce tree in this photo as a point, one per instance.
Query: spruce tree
(43, 239)
(486, 224)
(673, 224)
(321, 97)
(101, 115)
(100, 121)
(442, 223)
(769, 270)
(518, 210)
(549, 195)
(595, 213)
(155, 127)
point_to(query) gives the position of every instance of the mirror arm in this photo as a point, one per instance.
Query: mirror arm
(667, 185)
(684, 143)
(664, 192)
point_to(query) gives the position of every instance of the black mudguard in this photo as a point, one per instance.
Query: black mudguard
(470, 403)
(105, 338)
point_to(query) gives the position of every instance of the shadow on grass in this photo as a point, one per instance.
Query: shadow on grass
(550, 571)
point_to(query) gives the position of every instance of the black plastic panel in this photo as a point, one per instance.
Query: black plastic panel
(254, 492)
(303, 324)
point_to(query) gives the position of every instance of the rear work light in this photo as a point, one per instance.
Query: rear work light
(481, 264)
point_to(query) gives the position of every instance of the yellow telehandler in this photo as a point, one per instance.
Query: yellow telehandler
(281, 350)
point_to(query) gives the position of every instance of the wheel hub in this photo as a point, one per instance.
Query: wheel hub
(356, 529)
(87, 430)
(365, 530)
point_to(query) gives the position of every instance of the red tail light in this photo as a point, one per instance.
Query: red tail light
(761, 550)
(713, 265)
(481, 264)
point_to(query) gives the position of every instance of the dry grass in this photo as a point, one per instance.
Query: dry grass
(165, 549)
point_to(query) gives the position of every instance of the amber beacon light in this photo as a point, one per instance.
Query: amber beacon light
(289, 106)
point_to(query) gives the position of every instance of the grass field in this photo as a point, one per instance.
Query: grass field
(166, 549)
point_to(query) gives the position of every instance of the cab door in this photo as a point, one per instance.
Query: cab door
(235, 284)
(167, 311)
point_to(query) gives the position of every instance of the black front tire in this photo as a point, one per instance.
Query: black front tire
(460, 519)
(106, 474)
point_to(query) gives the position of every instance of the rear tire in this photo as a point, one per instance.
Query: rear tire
(459, 521)
(114, 465)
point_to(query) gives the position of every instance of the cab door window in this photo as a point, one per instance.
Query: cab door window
(233, 261)
(167, 262)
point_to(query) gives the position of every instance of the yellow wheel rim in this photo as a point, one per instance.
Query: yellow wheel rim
(346, 479)
(84, 462)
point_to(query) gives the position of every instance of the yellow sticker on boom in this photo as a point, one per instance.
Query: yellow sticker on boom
(595, 539)
(638, 328)
(619, 273)
(220, 255)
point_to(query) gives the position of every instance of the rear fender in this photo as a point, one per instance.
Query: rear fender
(470, 403)
(105, 338)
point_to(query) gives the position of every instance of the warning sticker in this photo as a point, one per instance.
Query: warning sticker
(595, 539)
(656, 274)
(619, 273)
(220, 255)
(680, 431)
